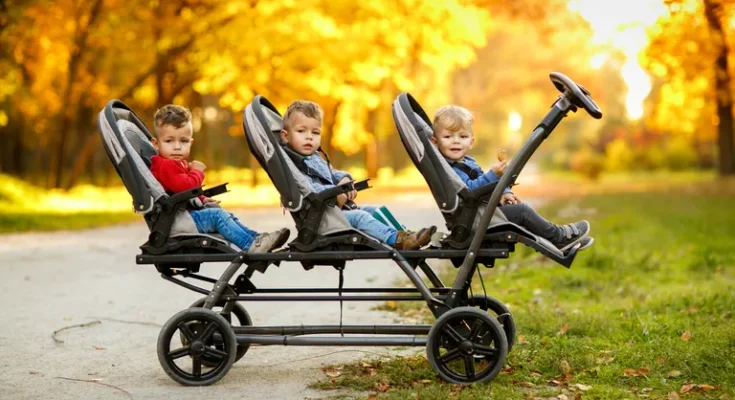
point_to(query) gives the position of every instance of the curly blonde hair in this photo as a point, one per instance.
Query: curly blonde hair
(308, 108)
(453, 118)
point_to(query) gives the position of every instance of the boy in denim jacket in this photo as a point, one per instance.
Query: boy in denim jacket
(302, 125)
(453, 137)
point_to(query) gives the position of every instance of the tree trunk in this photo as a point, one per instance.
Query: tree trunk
(371, 148)
(714, 10)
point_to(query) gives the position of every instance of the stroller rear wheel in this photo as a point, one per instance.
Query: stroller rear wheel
(184, 362)
(466, 345)
(242, 319)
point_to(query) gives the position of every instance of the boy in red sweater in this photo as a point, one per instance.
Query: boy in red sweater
(174, 137)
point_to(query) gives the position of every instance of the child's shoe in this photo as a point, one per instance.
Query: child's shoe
(409, 240)
(584, 243)
(573, 234)
(266, 242)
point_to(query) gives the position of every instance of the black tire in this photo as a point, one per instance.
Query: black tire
(502, 314)
(466, 333)
(243, 319)
(210, 323)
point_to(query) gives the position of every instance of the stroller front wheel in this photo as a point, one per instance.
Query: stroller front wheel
(184, 362)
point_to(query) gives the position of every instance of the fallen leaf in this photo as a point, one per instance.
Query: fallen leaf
(674, 374)
(578, 396)
(526, 384)
(582, 387)
(562, 397)
(372, 396)
(686, 335)
(646, 390)
(536, 374)
(563, 329)
(673, 396)
(33, 372)
(522, 339)
(660, 360)
(98, 348)
(686, 388)
(554, 382)
(636, 372)
(425, 381)
(565, 367)
(366, 365)
(391, 305)
(333, 374)
(382, 387)
(705, 387)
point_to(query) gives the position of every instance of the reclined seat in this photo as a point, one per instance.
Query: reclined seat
(127, 143)
(321, 225)
(460, 206)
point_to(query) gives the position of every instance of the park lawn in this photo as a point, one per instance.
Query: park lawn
(23, 221)
(649, 310)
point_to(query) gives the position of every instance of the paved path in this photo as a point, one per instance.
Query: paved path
(53, 280)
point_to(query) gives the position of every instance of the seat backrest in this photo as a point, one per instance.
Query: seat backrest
(127, 143)
(415, 129)
(263, 123)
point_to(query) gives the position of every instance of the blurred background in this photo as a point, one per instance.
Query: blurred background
(661, 70)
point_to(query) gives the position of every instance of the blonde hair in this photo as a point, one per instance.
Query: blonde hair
(171, 114)
(453, 118)
(308, 108)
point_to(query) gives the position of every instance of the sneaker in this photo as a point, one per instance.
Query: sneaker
(585, 243)
(266, 242)
(409, 240)
(573, 234)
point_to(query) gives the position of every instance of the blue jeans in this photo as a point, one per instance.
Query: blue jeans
(211, 220)
(364, 221)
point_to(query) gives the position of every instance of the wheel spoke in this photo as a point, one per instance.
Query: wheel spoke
(475, 331)
(218, 355)
(186, 331)
(469, 366)
(450, 355)
(196, 367)
(207, 331)
(178, 353)
(452, 334)
(485, 350)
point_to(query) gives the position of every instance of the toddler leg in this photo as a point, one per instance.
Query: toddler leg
(210, 220)
(525, 216)
(365, 222)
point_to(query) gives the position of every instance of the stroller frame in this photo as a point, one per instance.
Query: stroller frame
(469, 336)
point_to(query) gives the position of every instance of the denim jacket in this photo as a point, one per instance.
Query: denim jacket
(320, 174)
(471, 173)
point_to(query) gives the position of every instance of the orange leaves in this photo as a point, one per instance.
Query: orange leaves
(640, 372)
(686, 336)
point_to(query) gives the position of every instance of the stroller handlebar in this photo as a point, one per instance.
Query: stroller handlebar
(576, 93)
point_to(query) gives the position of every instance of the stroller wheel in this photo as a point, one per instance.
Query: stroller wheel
(241, 318)
(183, 362)
(456, 340)
(501, 311)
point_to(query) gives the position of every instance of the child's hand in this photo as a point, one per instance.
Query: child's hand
(352, 193)
(208, 200)
(509, 198)
(499, 168)
(197, 165)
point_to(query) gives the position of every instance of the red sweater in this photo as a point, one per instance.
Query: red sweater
(175, 176)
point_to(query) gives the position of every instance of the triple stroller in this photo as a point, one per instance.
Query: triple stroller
(472, 334)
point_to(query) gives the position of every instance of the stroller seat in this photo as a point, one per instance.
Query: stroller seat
(460, 207)
(127, 142)
(320, 223)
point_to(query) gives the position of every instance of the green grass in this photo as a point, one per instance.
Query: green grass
(663, 265)
(14, 222)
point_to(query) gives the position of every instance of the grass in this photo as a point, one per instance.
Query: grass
(647, 312)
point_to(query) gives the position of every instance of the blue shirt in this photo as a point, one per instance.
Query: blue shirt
(320, 174)
(471, 173)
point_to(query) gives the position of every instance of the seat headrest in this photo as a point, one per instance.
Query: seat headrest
(138, 140)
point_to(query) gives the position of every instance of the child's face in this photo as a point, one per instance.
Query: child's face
(453, 145)
(174, 143)
(304, 134)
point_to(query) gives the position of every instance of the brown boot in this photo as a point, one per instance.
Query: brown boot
(409, 240)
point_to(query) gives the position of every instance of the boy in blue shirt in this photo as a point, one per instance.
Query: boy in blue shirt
(453, 137)
(302, 125)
